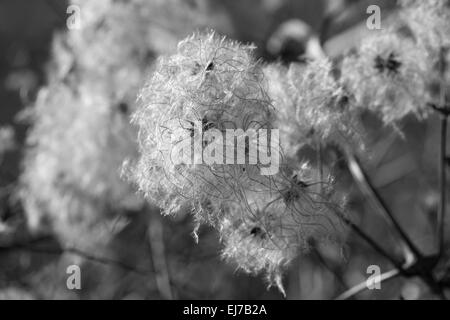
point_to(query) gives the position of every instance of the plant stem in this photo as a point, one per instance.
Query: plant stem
(368, 189)
(56, 250)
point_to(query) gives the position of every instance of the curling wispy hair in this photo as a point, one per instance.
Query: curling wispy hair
(400, 71)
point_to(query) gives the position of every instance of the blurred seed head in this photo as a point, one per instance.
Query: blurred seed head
(212, 81)
(81, 132)
(388, 75)
(77, 145)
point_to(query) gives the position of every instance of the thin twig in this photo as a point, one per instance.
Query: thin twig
(158, 252)
(34, 247)
(443, 184)
(363, 285)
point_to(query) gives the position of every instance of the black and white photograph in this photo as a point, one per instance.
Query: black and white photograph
(224, 154)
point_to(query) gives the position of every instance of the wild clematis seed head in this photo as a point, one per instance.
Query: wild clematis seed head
(429, 26)
(268, 228)
(388, 76)
(428, 21)
(210, 85)
(311, 106)
(114, 32)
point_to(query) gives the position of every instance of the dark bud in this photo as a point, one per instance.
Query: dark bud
(210, 67)
(123, 108)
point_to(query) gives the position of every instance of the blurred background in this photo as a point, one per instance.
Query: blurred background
(148, 256)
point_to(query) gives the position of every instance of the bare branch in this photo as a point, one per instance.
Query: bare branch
(40, 245)
(363, 285)
(377, 201)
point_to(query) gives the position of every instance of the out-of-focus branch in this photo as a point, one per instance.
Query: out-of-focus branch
(158, 252)
(327, 23)
(422, 266)
(442, 184)
(377, 201)
(47, 245)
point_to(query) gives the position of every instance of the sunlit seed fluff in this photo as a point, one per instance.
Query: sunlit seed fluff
(291, 136)
(388, 76)
(71, 181)
(264, 221)
(118, 40)
(311, 106)
(209, 81)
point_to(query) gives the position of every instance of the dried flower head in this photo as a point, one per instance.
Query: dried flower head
(78, 142)
(388, 76)
(210, 83)
(119, 40)
(81, 132)
(428, 23)
(269, 227)
(311, 106)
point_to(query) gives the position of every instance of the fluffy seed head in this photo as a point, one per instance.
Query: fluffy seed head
(72, 167)
(81, 132)
(388, 76)
(210, 81)
(269, 227)
(311, 106)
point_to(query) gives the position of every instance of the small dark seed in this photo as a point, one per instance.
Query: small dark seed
(210, 67)
(123, 108)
